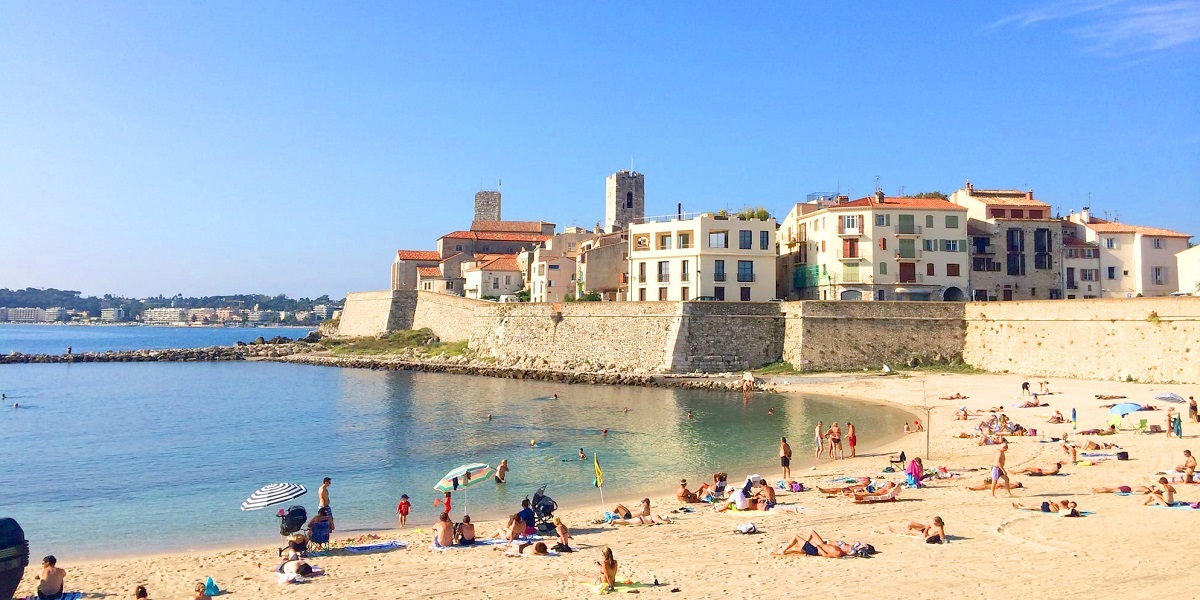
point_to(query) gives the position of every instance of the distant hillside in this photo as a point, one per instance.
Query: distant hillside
(73, 300)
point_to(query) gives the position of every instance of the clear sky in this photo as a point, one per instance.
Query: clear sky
(292, 147)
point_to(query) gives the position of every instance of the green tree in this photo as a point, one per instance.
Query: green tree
(758, 212)
(933, 194)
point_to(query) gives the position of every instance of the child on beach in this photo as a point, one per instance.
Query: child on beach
(445, 502)
(402, 509)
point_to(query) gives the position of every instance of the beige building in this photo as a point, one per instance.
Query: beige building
(164, 316)
(1188, 266)
(404, 267)
(601, 266)
(491, 276)
(1081, 267)
(702, 257)
(1135, 260)
(1015, 245)
(875, 248)
(553, 277)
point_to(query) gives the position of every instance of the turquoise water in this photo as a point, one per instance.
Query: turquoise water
(142, 457)
(54, 339)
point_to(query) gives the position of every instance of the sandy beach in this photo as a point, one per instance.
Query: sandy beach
(1122, 548)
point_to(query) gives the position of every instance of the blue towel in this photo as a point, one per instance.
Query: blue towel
(377, 547)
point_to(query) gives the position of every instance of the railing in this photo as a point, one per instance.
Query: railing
(856, 230)
(855, 278)
(745, 277)
(624, 278)
(916, 278)
(843, 255)
(914, 254)
(797, 238)
(664, 277)
(908, 229)
(667, 218)
(685, 277)
(989, 249)
(718, 277)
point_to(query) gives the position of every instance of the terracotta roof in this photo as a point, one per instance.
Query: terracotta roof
(1075, 242)
(1014, 198)
(500, 262)
(418, 255)
(509, 226)
(497, 237)
(429, 272)
(1102, 226)
(900, 202)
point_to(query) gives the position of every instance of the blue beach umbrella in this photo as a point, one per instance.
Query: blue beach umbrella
(1125, 408)
(1074, 420)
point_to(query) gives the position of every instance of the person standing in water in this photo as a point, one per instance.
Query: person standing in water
(501, 470)
(851, 438)
(820, 438)
(785, 458)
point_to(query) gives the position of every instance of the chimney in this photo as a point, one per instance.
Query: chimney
(879, 196)
(970, 188)
(1085, 215)
(1029, 195)
(679, 211)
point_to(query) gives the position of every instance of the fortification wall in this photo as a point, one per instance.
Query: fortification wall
(1146, 339)
(834, 335)
(630, 336)
(372, 313)
(449, 317)
(727, 336)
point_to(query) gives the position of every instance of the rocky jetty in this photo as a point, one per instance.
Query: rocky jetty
(265, 349)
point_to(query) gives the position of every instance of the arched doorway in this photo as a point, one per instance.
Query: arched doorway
(851, 295)
(953, 294)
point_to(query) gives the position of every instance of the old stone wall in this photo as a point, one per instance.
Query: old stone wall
(449, 317)
(1145, 339)
(372, 313)
(822, 336)
(727, 336)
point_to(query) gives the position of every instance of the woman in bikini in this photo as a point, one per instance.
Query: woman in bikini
(608, 569)
(1164, 496)
(835, 440)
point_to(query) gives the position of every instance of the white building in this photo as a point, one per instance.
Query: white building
(492, 276)
(164, 316)
(1135, 260)
(112, 315)
(1188, 266)
(26, 315)
(56, 313)
(553, 277)
(323, 312)
(702, 257)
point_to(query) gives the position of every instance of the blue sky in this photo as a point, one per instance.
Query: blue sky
(222, 147)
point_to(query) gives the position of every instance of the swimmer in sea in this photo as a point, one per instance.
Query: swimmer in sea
(556, 396)
(689, 414)
(771, 411)
(604, 433)
(489, 417)
(582, 456)
(626, 410)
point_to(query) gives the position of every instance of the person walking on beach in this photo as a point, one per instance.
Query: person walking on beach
(501, 471)
(1188, 467)
(402, 509)
(1170, 420)
(998, 471)
(323, 495)
(820, 438)
(851, 438)
(785, 458)
(1025, 388)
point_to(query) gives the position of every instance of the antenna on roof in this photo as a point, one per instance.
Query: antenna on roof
(877, 187)
(630, 163)
(901, 194)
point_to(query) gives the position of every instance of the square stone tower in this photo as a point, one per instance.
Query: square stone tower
(487, 206)
(624, 200)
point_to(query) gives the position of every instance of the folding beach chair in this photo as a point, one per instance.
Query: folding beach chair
(318, 534)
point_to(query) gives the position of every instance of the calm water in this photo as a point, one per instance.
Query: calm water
(54, 339)
(140, 457)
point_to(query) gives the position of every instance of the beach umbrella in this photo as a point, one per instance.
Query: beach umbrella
(1074, 420)
(1170, 397)
(462, 477)
(273, 493)
(1125, 408)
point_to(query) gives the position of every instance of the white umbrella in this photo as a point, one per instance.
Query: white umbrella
(1170, 397)
(273, 493)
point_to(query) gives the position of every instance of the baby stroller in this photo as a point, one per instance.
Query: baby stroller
(292, 520)
(543, 510)
(14, 556)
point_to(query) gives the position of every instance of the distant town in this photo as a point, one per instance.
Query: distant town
(971, 245)
(36, 305)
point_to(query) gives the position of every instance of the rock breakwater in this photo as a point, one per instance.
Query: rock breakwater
(209, 354)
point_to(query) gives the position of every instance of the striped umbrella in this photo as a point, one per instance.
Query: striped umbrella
(464, 476)
(273, 493)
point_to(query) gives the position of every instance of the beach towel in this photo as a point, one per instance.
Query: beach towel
(479, 542)
(620, 587)
(377, 547)
(65, 596)
(1177, 506)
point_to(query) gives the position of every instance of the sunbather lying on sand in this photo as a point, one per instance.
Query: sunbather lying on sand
(987, 485)
(1047, 507)
(1108, 397)
(516, 548)
(640, 520)
(877, 494)
(1121, 489)
(955, 396)
(1032, 404)
(933, 534)
(1090, 445)
(1111, 430)
(812, 544)
(1038, 471)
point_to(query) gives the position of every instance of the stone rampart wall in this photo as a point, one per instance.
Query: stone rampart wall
(728, 336)
(372, 313)
(822, 336)
(450, 317)
(1144, 339)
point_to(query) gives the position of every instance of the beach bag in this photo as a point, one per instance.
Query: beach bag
(1122, 456)
(747, 528)
(797, 486)
(210, 587)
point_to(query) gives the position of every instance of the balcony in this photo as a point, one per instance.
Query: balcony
(850, 231)
(718, 276)
(906, 230)
(914, 278)
(745, 277)
(908, 255)
(988, 250)
(685, 277)
(664, 277)
(796, 238)
(842, 254)
(624, 278)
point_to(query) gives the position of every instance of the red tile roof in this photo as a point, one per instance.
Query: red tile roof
(900, 202)
(1075, 242)
(1102, 226)
(429, 272)
(509, 226)
(418, 255)
(499, 262)
(1013, 198)
(497, 237)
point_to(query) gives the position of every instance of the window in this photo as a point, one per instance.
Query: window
(883, 220)
(628, 199)
(1160, 275)
(718, 270)
(549, 283)
(508, 280)
(1043, 260)
(930, 270)
(880, 295)
(642, 294)
(764, 240)
(979, 265)
(1016, 240)
(951, 246)
(997, 213)
(685, 274)
(1017, 213)
(745, 294)
(883, 243)
(664, 241)
(685, 293)
(495, 283)
(719, 292)
(848, 224)
(458, 247)
(929, 245)
(1071, 253)
(822, 245)
(952, 270)
(1089, 274)
(664, 271)
(929, 221)
(1089, 253)
(883, 268)
(1110, 243)
(662, 294)
(449, 285)
(951, 221)
(718, 239)
(1158, 243)
(685, 240)
(642, 272)
(553, 267)
(745, 239)
(1112, 272)
(745, 271)
(1016, 263)
(1042, 240)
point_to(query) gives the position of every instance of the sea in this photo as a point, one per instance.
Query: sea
(105, 459)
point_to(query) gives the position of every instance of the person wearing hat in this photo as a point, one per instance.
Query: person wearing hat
(683, 495)
(402, 509)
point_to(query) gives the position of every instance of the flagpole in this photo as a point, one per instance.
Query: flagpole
(599, 481)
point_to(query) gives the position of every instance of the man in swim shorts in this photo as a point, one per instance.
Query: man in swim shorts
(851, 438)
(785, 458)
(998, 471)
(811, 545)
